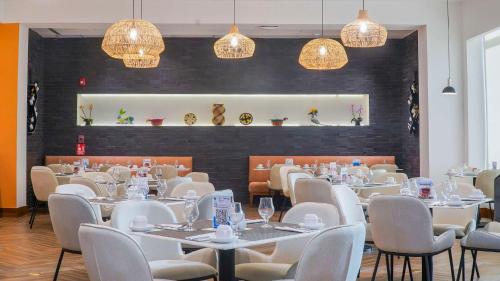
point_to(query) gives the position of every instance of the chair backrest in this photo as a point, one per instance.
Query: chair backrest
(201, 188)
(56, 168)
(173, 182)
(275, 177)
(382, 177)
(333, 255)
(104, 168)
(358, 169)
(289, 251)
(485, 181)
(313, 190)
(348, 205)
(67, 212)
(205, 206)
(171, 171)
(44, 182)
(88, 183)
(198, 176)
(77, 189)
(156, 213)
(99, 176)
(390, 168)
(123, 172)
(292, 179)
(110, 254)
(284, 170)
(461, 217)
(401, 224)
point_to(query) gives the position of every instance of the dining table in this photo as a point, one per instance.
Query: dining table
(253, 235)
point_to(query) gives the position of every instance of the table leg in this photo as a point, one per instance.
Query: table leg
(226, 265)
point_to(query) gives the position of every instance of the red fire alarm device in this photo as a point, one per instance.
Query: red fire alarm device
(80, 146)
(83, 81)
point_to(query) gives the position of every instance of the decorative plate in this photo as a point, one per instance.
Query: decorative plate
(190, 119)
(246, 119)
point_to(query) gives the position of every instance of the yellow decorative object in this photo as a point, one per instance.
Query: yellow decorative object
(133, 37)
(218, 111)
(323, 54)
(141, 61)
(234, 45)
(190, 119)
(246, 118)
(363, 33)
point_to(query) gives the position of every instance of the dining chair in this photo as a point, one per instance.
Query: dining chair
(201, 188)
(389, 168)
(56, 168)
(102, 245)
(198, 176)
(334, 254)
(402, 226)
(153, 171)
(104, 168)
(255, 266)
(461, 221)
(358, 169)
(88, 183)
(284, 171)
(380, 178)
(205, 204)
(292, 180)
(67, 212)
(44, 183)
(166, 258)
(101, 179)
(274, 182)
(313, 190)
(350, 209)
(173, 182)
(124, 173)
(171, 171)
(486, 181)
(483, 240)
(83, 191)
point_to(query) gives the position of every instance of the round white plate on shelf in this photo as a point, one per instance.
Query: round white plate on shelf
(312, 226)
(224, 240)
(146, 228)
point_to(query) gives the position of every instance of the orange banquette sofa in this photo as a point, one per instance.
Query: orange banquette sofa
(258, 178)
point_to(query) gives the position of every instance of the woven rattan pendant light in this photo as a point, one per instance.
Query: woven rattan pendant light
(323, 53)
(134, 39)
(234, 45)
(363, 33)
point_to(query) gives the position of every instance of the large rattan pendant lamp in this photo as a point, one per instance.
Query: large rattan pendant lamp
(323, 53)
(138, 42)
(449, 90)
(234, 45)
(363, 33)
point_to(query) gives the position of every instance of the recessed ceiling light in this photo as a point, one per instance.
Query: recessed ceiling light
(269, 27)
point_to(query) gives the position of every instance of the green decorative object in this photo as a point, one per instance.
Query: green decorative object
(123, 119)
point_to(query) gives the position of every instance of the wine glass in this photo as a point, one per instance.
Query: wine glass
(162, 188)
(191, 212)
(236, 215)
(158, 173)
(266, 210)
(111, 189)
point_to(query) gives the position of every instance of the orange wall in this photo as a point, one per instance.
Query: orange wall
(9, 50)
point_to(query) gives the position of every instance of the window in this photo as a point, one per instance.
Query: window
(492, 96)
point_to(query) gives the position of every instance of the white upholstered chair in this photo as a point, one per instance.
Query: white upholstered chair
(389, 168)
(67, 212)
(486, 182)
(171, 171)
(358, 169)
(255, 266)
(88, 183)
(166, 258)
(292, 179)
(56, 168)
(313, 190)
(100, 179)
(205, 207)
(100, 248)
(332, 255)
(120, 173)
(284, 171)
(274, 182)
(198, 176)
(201, 188)
(173, 182)
(462, 221)
(44, 183)
(402, 226)
(83, 191)
(153, 171)
(378, 177)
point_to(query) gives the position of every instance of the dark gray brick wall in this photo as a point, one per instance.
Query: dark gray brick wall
(189, 66)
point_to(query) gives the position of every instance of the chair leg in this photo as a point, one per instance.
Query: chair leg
(33, 213)
(461, 266)
(409, 269)
(392, 267)
(492, 212)
(283, 207)
(404, 269)
(388, 267)
(474, 264)
(59, 264)
(376, 266)
(452, 268)
(427, 268)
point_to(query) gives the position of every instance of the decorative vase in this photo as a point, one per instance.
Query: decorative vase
(88, 122)
(156, 121)
(278, 122)
(218, 111)
(357, 123)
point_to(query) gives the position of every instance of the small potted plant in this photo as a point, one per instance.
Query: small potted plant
(313, 114)
(277, 122)
(86, 110)
(122, 119)
(357, 111)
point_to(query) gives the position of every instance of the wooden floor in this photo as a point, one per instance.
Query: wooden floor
(32, 255)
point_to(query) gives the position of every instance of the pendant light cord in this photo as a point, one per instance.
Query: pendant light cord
(234, 12)
(363, 5)
(449, 58)
(133, 9)
(141, 9)
(322, 15)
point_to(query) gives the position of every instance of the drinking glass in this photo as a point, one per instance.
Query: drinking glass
(266, 210)
(158, 173)
(162, 188)
(236, 215)
(191, 212)
(115, 174)
(111, 189)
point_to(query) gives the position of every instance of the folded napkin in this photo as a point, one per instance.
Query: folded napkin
(201, 237)
(292, 229)
(170, 226)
